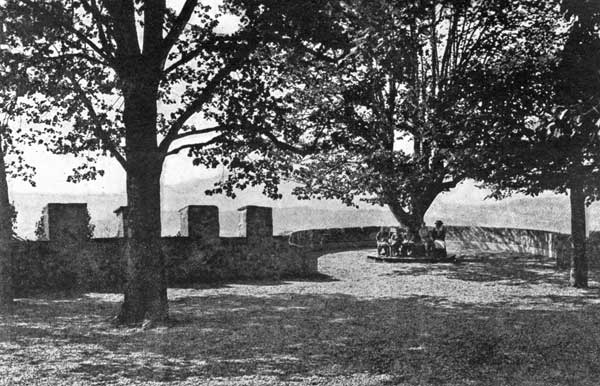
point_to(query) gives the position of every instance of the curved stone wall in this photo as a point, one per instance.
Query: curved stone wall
(459, 238)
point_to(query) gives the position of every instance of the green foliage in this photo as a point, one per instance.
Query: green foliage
(558, 143)
(81, 69)
(98, 70)
(12, 140)
(380, 111)
(40, 232)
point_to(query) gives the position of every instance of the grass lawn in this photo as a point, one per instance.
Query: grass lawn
(507, 320)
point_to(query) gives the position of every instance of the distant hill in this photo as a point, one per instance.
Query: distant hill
(462, 207)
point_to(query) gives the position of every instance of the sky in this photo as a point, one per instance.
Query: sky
(52, 170)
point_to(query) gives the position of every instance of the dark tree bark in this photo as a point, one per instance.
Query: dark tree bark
(412, 218)
(6, 288)
(146, 287)
(140, 71)
(579, 265)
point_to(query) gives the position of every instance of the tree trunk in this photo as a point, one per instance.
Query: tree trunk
(411, 220)
(146, 287)
(579, 266)
(6, 212)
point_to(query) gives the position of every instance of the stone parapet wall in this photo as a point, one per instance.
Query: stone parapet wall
(335, 238)
(501, 239)
(98, 264)
(459, 238)
(68, 260)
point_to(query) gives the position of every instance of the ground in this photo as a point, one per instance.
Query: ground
(506, 320)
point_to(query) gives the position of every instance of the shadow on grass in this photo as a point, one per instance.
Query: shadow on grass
(509, 271)
(289, 336)
(284, 280)
(316, 277)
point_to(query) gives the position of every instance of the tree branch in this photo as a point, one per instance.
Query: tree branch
(286, 146)
(434, 53)
(103, 136)
(80, 55)
(197, 104)
(57, 22)
(92, 7)
(449, 45)
(191, 55)
(154, 15)
(123, 15)
(451, 184)
(178, 27)
(191, 146)
(197, 132)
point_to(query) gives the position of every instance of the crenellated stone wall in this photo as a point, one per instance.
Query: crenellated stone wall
(200, 222)
(65, 222)
(255, 221)
(68, 260)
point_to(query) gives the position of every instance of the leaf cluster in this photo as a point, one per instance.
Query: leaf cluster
(384, 112)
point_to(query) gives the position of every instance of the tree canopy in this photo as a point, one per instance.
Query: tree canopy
(557, 147)
(138, 80)
(80, 54)
(382, 116)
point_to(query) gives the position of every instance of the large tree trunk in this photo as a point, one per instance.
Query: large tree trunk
(146, 287)
(579, 266)
(412, 220)
(6, 212)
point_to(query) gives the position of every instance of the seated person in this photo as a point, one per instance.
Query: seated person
(438, 234)
(426, 239)
(408, 245)
(382, 241)
(395, 241)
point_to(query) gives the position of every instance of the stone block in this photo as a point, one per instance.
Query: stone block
(121, 213)
(200, 222)
(65, 222)
(256, 222)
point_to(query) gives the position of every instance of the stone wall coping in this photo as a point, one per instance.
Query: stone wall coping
(66, 204)
(445, 225)
(197, 206)
(121, 209)
(254, 206)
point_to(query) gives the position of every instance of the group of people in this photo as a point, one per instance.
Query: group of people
(397, 242)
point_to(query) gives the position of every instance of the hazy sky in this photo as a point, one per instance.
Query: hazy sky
(52, 170)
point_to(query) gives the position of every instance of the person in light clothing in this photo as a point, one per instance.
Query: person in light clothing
(382, 241)
(395, 241)
(438, 234)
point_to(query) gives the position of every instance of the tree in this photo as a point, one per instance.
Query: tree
(557, 147)
(6, 291)
(106, 66)
(380, 115)
(10, 89)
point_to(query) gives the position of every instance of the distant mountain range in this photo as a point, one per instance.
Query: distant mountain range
(549, 212)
